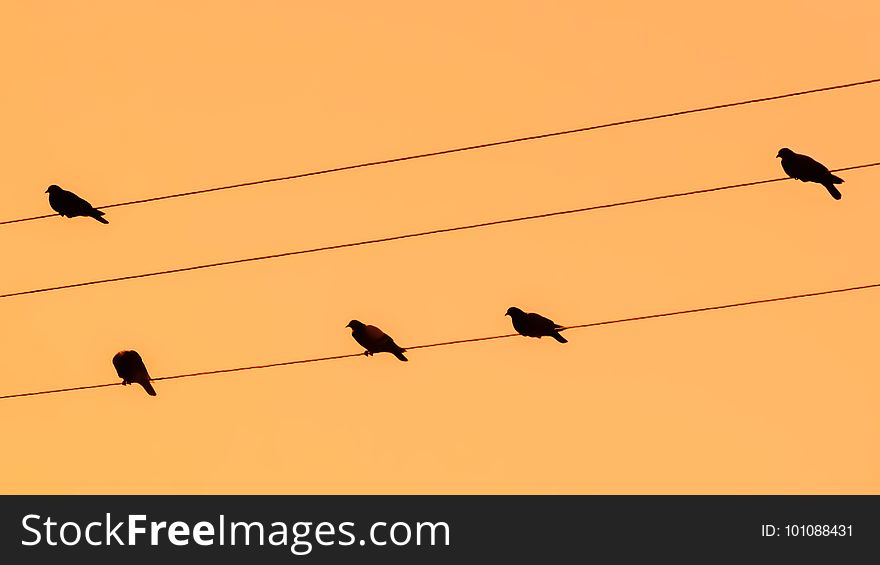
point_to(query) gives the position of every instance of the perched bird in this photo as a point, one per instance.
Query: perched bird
(374, 340)
(807, 169)
(131, 369)
(530, 324)
(69, 204)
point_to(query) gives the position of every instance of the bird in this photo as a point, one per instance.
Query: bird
(69, 204)
(374, 340)
(807, 169)
(530, 324)
(131, 369)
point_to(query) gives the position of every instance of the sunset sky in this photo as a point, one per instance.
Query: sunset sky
(121, 101)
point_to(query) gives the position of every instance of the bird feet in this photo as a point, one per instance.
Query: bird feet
(368, 353)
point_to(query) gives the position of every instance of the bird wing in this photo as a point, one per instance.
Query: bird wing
(809, 169)
(541, 323)
(375, 337)
(75, 203)
(378, 341)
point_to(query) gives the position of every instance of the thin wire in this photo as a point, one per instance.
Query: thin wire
(409, 235)
(470, 340)
(468, 147)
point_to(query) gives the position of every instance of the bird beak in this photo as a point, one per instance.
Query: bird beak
(47, 190)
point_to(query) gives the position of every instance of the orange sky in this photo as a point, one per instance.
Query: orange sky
(119, 101)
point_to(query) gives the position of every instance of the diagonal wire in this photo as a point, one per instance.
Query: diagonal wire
(472, 340)
(478, 146)
(408, 235)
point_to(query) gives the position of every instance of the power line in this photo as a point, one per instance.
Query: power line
(409, 235)
(470, 340)
(469, 147)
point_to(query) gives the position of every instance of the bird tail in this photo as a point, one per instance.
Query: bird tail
(399, 354)
(832, 190)
(97, 215)
(149, 388)
(558, 337)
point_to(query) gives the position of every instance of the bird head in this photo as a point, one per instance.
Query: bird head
(354, 324)
(785, 152)
(53, 188)
(513, 310)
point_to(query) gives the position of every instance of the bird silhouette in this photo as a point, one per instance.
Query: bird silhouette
(131, 369)
(807, 169)
(69, 204)
(374, 340)
(530, 324)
